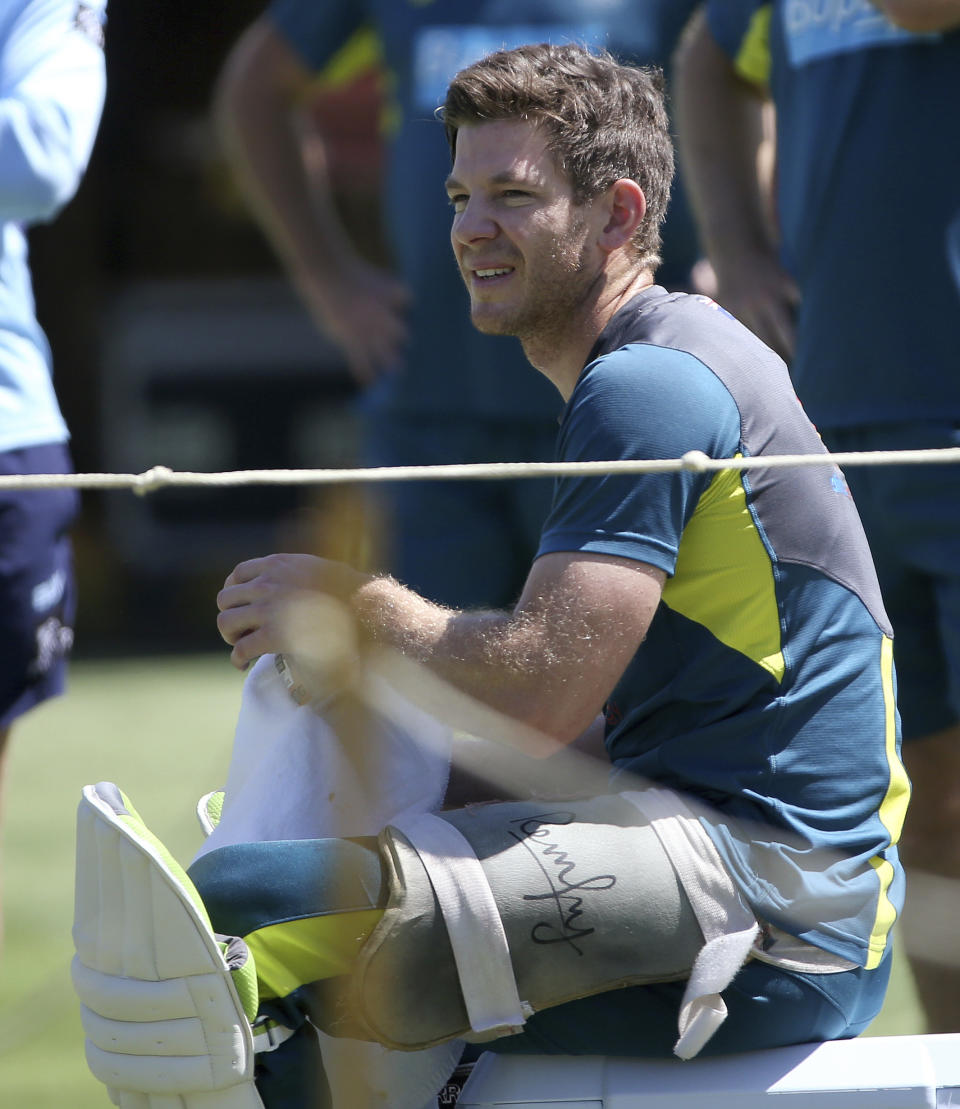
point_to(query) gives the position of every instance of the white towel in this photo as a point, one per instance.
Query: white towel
(292, 776)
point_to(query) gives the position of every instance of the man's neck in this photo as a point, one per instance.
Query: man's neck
(560, 357)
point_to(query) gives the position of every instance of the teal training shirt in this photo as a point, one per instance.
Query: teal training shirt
(765, 685)
(868, 159)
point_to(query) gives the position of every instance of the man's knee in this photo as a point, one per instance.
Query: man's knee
(247, 887)
(549, 901)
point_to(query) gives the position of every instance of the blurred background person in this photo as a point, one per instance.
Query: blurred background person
(435, 391)
(851, 283)
(52, 87)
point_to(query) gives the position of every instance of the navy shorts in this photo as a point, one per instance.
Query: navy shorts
(767, 1007)
(37, 588)
(911, 514)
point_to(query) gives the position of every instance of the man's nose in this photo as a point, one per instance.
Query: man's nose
(475, 222)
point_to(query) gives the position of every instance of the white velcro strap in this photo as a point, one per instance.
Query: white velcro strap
(729, 927)
(268, 1035)
(473, 924)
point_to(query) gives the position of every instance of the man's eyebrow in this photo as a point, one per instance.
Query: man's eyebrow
(504, 177)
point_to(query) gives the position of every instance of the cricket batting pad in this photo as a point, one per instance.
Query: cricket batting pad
(166, 1005)
(498, 911)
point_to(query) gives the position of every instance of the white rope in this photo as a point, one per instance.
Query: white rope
(161, 477)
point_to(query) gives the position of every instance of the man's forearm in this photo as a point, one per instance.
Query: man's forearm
(719, 125)
(257, 121)
(921, 15)
(500, 659)
(549, 664)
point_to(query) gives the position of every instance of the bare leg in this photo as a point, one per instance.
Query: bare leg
(931, 845)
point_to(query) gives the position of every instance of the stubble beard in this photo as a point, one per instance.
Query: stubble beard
(547, 310)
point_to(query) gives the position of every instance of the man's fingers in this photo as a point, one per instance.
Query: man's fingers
(780, 334)
(234, 596)
(247, 648)
(241, 656)
(245, 571)
(377, 351)
(232, 624)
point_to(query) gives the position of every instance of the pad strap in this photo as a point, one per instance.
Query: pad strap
(729, 927)
(473, 922)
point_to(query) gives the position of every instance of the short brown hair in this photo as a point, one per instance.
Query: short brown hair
(603, 120)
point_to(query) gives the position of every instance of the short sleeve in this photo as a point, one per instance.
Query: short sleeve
(52, 88)
(638, 403)
(317, 31)
(742, 30)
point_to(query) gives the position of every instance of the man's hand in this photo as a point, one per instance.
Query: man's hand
(294, 604)
(362, 309)
(549, 664)
(762, 295)
(280, 165)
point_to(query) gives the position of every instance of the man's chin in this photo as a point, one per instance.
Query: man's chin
(491, 323)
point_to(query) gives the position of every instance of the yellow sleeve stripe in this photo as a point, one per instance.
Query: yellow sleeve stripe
(360, 53)
(753, 58)
(886, 915)
(893, 810)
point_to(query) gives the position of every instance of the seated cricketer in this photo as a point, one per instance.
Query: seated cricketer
(735, 886)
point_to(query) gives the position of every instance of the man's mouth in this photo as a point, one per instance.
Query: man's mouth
(490, 272)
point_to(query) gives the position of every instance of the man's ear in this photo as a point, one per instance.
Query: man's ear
(625, 208)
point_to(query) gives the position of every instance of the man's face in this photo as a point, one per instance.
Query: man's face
(526, 251)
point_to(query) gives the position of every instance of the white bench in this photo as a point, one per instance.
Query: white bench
(884, 1072)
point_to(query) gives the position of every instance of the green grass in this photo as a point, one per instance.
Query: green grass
(161, 729)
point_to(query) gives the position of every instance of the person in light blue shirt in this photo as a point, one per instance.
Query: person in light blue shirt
(435, 390)
(52, 87)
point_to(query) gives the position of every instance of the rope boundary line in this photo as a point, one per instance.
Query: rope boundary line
(162, 477)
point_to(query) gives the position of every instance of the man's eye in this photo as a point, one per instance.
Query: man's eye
(458, 202)
(515, 196)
